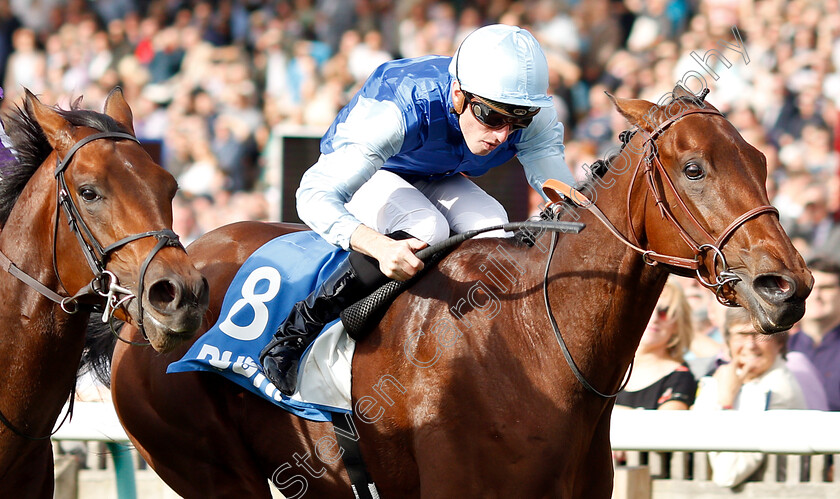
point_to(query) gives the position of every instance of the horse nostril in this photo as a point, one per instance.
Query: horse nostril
(774, 288)
(162, 293)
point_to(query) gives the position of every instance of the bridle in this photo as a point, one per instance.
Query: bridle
(650, 165)
(104, 284)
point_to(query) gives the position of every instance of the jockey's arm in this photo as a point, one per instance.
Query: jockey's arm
(373, 132)
(542, 153)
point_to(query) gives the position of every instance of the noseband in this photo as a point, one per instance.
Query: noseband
(104, 284)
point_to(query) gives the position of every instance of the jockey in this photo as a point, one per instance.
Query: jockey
(391, 176)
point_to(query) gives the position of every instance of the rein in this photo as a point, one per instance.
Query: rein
(557, 191)
(557, 334)
(104, 283)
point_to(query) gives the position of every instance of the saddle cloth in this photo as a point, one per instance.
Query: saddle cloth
(278, 275)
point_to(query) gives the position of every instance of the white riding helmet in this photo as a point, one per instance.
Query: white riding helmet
(504, 64)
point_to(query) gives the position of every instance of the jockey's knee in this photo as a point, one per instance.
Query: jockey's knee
(431, 228)
(473, 221)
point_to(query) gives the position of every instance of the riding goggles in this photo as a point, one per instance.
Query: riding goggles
(496, 115)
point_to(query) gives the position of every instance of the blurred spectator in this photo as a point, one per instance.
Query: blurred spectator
(809, 380)
(813, 225)
(184, 220)
(595, 126)
(26, 67)
(706, 348)
(819, 336)
(660, 378)
(757, 379)
(8, 25)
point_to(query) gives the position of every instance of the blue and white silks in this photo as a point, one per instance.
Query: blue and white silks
(400, 121)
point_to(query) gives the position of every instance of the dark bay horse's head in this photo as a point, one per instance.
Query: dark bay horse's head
(119, 192)
(711, 188)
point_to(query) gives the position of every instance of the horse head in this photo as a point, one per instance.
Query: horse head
(115, 207)
(699, 194)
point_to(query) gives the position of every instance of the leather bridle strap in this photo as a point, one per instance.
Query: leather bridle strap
(22, 276)
(552, 186)
(94, 253)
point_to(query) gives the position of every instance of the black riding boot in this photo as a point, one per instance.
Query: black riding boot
(281, 356)
(354, 279)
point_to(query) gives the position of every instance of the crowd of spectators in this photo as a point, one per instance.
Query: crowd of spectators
(217, 81)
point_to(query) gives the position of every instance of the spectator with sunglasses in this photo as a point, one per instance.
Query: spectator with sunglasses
(392, 175)
(661, 379)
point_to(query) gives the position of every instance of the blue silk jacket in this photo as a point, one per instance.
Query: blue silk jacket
(401, 121)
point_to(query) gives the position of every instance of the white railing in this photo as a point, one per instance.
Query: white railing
(92, 421)
(784, 432)
(796, 441)
(666, 453)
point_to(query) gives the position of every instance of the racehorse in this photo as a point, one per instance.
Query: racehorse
(466, 393)
(86, 224)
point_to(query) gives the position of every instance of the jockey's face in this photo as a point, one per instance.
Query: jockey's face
(481, 140)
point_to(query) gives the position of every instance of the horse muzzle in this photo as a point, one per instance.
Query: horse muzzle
(775, 299)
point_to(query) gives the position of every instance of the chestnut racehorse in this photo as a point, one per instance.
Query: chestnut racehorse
(86, 224)
(461, 393)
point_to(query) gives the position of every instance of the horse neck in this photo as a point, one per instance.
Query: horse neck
(602, 289)
(27, 236)
(42, 344)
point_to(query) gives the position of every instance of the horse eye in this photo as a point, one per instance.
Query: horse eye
(693, 171)
(88, 194)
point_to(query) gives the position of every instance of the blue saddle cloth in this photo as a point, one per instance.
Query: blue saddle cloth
(279, 274)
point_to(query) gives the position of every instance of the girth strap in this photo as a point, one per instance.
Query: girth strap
(363, 486)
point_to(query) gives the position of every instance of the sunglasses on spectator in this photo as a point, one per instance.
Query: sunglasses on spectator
(661, 314)
(495, 115)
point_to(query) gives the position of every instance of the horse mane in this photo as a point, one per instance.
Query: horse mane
(100, 341)
(31, 148)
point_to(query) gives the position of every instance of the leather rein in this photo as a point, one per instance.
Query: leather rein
(104, 287)
(649, 164)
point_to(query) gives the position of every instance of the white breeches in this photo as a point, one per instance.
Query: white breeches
(425, 209)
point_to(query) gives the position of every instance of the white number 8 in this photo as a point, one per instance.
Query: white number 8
(257, 302)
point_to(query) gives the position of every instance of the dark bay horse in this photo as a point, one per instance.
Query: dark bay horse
(86, 222)
(463, 390)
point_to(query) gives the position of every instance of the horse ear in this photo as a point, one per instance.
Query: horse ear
(700, 100)
(638, 112)
(680, 91)
(117, 108)
(55, 127)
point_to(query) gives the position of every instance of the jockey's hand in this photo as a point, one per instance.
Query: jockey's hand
(396, 258)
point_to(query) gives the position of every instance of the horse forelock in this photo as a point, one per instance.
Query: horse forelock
(32, 148)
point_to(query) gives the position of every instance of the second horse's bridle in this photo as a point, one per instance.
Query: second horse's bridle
(104, 284)
(719, 280)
